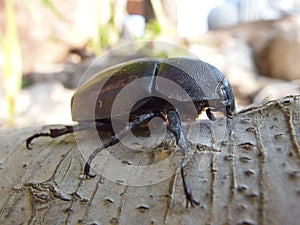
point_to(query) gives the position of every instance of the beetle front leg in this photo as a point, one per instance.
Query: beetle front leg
(210, 115)
(175, 127)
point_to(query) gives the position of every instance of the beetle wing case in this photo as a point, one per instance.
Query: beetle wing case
(94, 99)
(183, 80)
(197, 79)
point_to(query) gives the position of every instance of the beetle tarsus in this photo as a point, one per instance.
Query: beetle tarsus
(87, 172)
(30, 139)
(175, 127)
(87, 166)
(187, 191)
(228, 112)
(53, 133)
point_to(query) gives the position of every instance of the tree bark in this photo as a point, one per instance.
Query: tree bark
(246, 172)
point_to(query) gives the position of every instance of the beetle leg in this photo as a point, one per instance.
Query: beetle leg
(87, 166)
(228, 112)
(175, 127)
(53, 133)
(117, 137)
(210, 115)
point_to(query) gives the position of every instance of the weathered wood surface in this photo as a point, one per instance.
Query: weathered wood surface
(250, 176)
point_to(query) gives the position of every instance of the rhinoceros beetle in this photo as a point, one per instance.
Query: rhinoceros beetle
(205, 85)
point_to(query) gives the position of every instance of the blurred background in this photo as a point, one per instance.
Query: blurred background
(46, 45)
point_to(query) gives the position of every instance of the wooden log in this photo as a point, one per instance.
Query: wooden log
(246, 172)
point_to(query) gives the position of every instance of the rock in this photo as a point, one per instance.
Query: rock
(277, 90)
(223, 16)
(275, 45)
(40, 104)
(281, 56)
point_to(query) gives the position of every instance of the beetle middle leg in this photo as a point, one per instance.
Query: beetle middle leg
(117, 137)
(175, 127)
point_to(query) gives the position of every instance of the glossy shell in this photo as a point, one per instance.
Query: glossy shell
(94, 99)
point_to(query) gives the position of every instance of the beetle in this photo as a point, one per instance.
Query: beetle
(205, 87)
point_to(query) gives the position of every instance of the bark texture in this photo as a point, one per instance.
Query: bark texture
(248, 173)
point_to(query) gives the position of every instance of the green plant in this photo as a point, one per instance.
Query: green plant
(105, 34)
(12, 67)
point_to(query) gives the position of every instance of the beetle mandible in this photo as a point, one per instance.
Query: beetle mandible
(205, 85)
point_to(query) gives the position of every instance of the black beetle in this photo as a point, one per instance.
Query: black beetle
(205, 85)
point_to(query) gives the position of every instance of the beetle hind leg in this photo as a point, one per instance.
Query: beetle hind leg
(175, 128)
(53, 133)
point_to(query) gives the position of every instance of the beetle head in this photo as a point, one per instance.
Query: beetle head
(226, 97)
(225, 102)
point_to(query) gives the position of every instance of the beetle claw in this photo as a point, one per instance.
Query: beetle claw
(87, 171)
(29, 140)
(187, 191)
(191, 200)
(228, 113)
